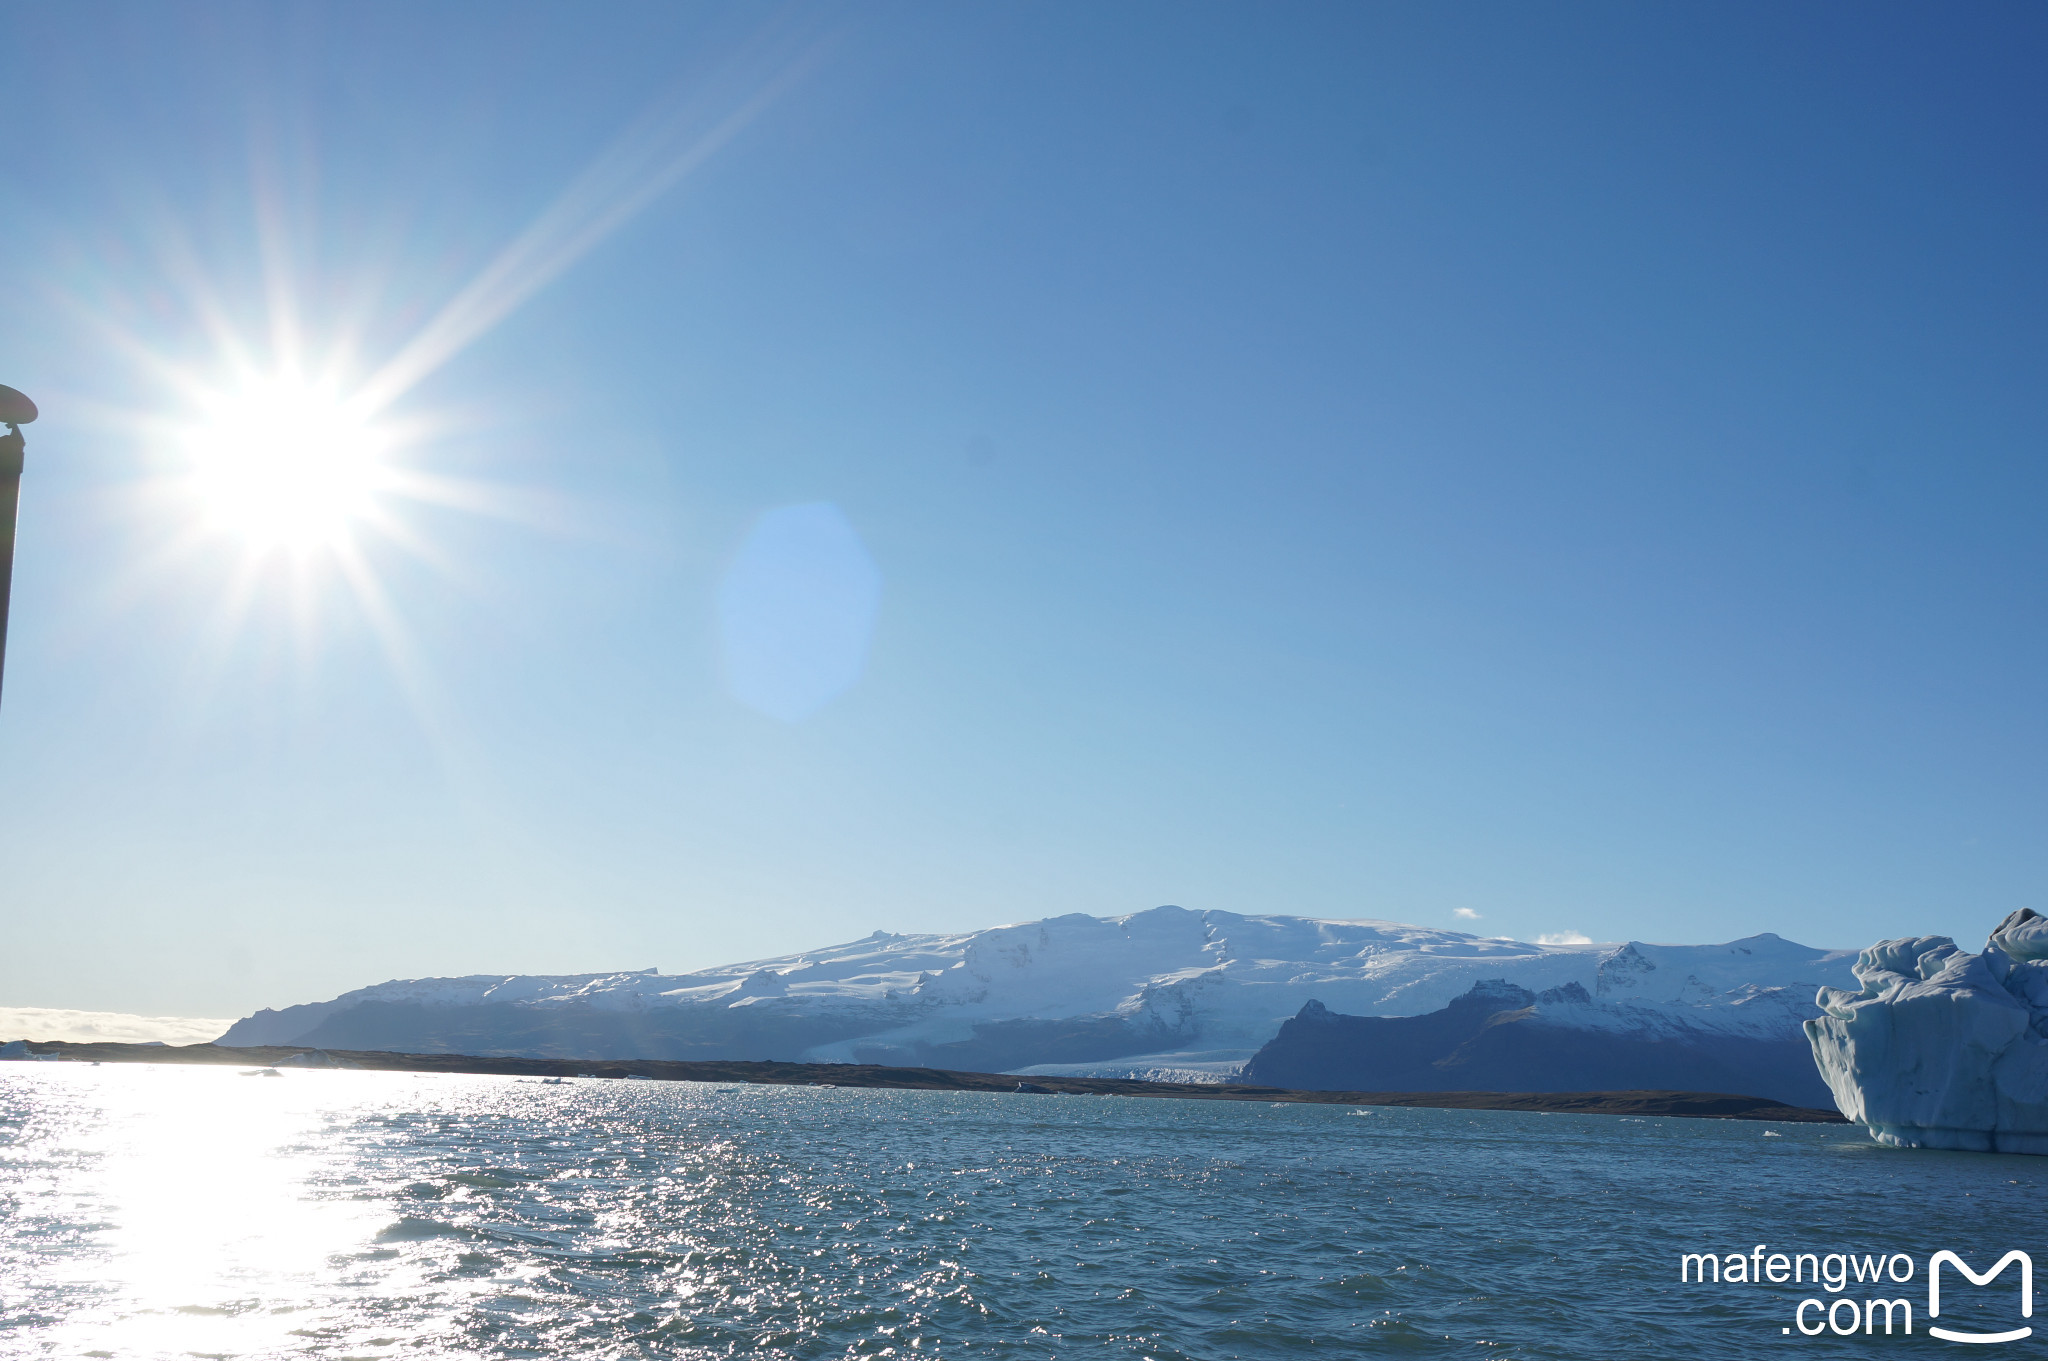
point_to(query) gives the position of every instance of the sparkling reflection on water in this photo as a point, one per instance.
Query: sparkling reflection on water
(151, 1211)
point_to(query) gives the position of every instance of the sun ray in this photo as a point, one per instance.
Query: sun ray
(292, 468)
(415, 678)
(528, 507)
(662, 148)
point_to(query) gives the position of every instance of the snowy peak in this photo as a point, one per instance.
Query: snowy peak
(1072, 989)
(1702, 974)
(1502, 1037)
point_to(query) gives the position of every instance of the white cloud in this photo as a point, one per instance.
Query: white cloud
(45, 1024)
(1467, 913)
(1564, 938)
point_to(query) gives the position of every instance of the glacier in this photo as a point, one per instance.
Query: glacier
(1940, 1048)
(1167, 992)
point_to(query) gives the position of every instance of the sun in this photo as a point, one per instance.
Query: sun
(285, 462)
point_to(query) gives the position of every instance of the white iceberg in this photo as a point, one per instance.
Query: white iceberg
(18, 1051)
(1942, 1048)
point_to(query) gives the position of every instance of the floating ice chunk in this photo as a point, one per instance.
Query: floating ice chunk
(19, 1051)
(1942, 1048)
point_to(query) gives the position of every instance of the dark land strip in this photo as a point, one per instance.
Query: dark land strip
(1707, 1105)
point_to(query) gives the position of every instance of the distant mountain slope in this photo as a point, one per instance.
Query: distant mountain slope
(1117, 992)
(1500, 1037)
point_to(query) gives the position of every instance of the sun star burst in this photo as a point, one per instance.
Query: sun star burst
(286, 462)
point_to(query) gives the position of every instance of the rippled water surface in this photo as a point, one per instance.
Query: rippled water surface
(151, 1211)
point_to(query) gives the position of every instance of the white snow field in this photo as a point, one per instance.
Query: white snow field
(1164, 992)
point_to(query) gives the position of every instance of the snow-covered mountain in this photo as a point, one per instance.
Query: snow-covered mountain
(1499, 1036)
(1166, 992)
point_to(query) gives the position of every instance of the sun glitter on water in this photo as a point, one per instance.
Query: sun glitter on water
(285, 462)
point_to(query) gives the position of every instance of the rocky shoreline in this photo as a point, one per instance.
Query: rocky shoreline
(1699, 1105)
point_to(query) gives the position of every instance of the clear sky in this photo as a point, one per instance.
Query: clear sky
(781, 473)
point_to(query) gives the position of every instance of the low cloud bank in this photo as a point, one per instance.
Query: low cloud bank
(44, 1024)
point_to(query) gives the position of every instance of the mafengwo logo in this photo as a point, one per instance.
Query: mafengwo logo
(1850, 1311)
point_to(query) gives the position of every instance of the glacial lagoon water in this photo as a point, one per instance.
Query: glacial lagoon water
(165, 1211)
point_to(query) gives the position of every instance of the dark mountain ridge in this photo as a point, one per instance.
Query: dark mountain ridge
(1503, 1037)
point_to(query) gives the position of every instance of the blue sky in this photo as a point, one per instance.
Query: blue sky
(1576, 465)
